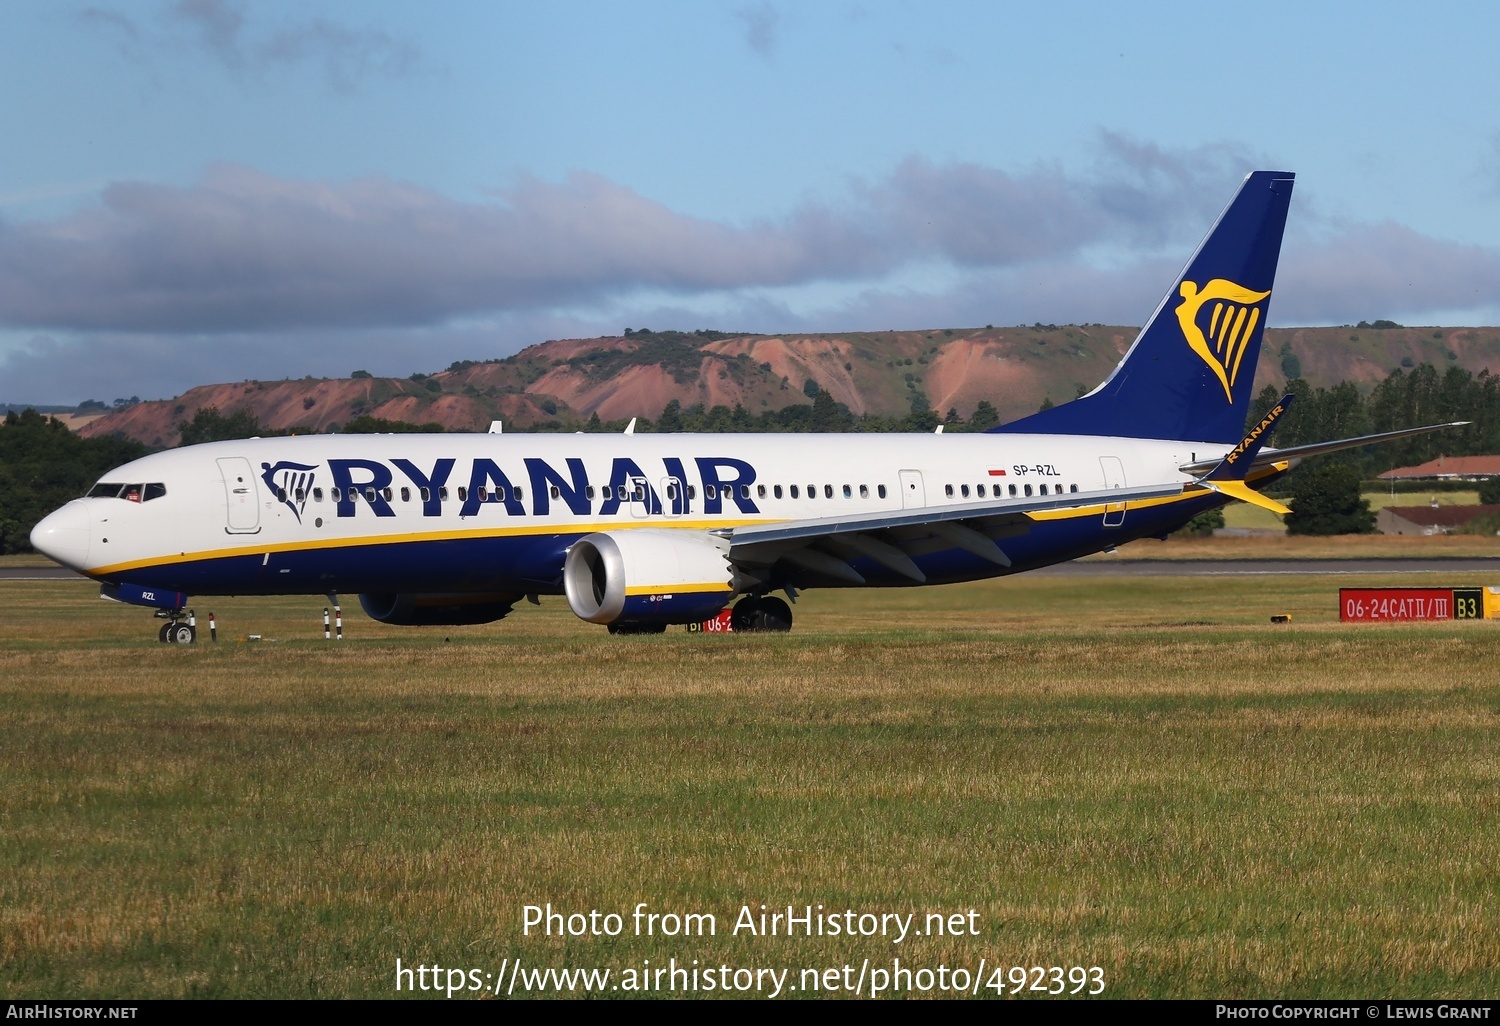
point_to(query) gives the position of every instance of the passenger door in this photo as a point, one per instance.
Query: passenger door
(241, 495)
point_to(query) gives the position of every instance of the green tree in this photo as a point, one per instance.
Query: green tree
(985, 416)
(1489, 491)
(1204, 523)
(828, 415)
(209, 425)
(1326, 500)
(43, 465)
(670, 419)
(368, 425)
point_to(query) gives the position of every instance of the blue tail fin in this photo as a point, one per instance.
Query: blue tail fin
(1190, 373)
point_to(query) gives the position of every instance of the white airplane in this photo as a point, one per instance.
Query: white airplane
(642, 531)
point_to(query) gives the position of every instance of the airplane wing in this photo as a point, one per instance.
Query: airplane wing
(825, 545)
(1297, 452)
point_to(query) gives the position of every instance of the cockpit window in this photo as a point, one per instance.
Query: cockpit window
(129, 492)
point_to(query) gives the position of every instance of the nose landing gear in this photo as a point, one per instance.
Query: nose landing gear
(181, 627)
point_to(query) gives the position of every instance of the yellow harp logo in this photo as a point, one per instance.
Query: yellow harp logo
(1232, 319)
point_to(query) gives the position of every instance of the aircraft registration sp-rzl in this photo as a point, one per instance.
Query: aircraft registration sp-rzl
(642, 531)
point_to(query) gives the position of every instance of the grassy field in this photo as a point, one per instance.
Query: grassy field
(1241, 514)
(1141, 774)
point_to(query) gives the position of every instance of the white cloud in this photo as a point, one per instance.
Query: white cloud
(245, 274)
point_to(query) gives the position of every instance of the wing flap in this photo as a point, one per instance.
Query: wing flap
(827, 546)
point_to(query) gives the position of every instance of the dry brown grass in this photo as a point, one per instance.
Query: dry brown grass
(1140, 774)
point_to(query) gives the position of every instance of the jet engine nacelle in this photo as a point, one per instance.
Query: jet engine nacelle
(648, 576)
(436, 610)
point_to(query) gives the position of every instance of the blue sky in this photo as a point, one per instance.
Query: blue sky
(207, 190)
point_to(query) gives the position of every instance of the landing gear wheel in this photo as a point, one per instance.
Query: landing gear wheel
(181, 633)
(776, 615)
(753, 615)
(162, 635)
(744, 618)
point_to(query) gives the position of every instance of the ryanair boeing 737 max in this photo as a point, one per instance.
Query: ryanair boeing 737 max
(641, 531)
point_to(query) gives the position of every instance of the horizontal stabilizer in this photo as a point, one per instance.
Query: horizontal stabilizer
(1242, 491)
(1298, 452)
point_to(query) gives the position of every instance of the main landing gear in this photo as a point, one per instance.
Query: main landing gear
(760, 613)
(180, 628)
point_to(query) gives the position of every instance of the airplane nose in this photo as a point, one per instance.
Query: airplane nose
(64, 535)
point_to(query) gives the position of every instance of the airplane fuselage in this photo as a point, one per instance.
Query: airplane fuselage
(454, 513)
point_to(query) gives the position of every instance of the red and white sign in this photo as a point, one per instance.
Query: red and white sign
(1382, 604)
(718, 625)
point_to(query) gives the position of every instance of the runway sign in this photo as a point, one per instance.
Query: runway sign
(1362, 605)
(718, 625)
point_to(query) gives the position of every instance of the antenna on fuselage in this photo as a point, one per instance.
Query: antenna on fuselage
(630, 428)
(495, 427)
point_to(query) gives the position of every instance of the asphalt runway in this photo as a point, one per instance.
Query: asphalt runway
(1489, 566)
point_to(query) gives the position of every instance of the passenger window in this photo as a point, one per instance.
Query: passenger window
(672, 492)
(1072, 488)
(864, 491)
(463, 494)
(812, 491)
(317, 495)
(299, 494)
(948, 490)
(405, 494)
(828, 491)
(777, 491)
(692, 491)
(555, 493)
(848, 492)
(336, 495)
(1044, 489)
(516, 493)
(760, 491)
(426, 494)
(1028, 489)
(744, 491)
(880, 489)
(280, 495)
(1012, 491)
(482, 494)
(370, 494)
(589, 491)
(607, 492)
(443, 494)
(794, 491)
(711, 491)
(964, 490)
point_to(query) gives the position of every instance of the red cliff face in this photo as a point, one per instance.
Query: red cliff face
(879, 373)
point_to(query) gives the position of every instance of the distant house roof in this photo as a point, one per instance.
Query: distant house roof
(1448, 466)
(1445, 517)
